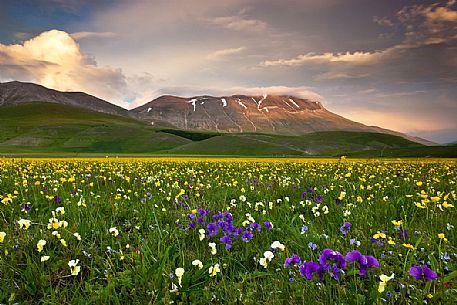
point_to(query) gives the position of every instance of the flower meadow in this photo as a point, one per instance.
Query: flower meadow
(222, 231)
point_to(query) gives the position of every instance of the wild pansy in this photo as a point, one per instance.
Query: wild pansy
(267, 257)
(365, 261)
(307, 270)
(345, 228)
(332, 261)
(226, 241)
(179, 273)
(277, 245)
(294, 260)
(40, 245)
(75, 269)
(214, 270)
(420, 272)
(201, 233)
(114, 231)
(24, 223)
(213, 248)
(198, 263)
(2, 236)
(384, 279)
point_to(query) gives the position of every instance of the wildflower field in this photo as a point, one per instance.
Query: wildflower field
(254, 231)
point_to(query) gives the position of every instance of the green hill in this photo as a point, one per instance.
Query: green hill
(47, 128)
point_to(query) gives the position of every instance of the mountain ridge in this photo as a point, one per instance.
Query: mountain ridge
(238, 113)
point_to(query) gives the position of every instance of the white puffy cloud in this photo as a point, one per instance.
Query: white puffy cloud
(54, 59)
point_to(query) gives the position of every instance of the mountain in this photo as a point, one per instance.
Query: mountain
(270, 114)
(237, 114)
(15, 93)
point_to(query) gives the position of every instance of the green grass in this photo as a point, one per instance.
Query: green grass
(51, 128)
(45, 128)
(149, 202)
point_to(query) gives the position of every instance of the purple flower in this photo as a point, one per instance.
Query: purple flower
(333, 255)
(418, 271)
(403, 233)
(295, 259)
(57, 199)
(307, 269)
(149, 195)
(212, 229)
(365, 261)
(268, 225)
(304, 229)
(192, 225)
(255, 226)
(345, 227)
(26, 207)
(312, 246)
(202, 212)
(318, 199)
(247, 235)
(226, 241)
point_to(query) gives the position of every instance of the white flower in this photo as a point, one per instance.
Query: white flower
(114, 231)
(213, 248)
(179, 273)
(78, 237)
(202, 234)
(44, 258)
(60, 210)
(197, 263)
(73, 264)
(40, 245)
(277, 245)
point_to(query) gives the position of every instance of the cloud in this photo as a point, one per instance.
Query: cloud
(355, 57)
(54, 59)
(238, 23)
(85, 35)
(223, 53)
(190, 91)
(384, 21)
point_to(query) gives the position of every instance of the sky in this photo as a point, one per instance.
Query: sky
(389, 63)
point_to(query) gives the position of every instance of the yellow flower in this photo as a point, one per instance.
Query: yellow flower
(379, 235)
(384, 279)
(408, 246)
(435, 199)
(447, 205)
(397, 223)
(24, 223)
(391, 241)
(2, 236)
(40, 245)
(441, 236)
(63, 242)
(214, 270)
(419, 183)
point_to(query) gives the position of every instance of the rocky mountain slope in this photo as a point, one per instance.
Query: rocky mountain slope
(15, 93)
(271, 114)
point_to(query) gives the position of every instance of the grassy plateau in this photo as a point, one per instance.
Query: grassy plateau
(227, 231)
